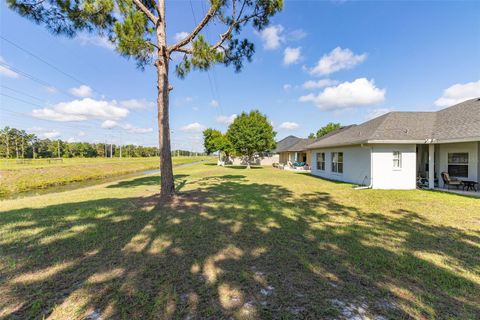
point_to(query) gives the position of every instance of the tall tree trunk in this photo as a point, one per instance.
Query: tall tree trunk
(8, 146)
(166, 171)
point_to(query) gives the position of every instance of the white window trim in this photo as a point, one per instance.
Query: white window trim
(459, 164)
(324, 161)
(331, 163)
(399, 168)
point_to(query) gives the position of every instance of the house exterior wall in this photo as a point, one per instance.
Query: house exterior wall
(261, 161)
(283, 157)
(385, 176)
(473, 150)
(478, 162)
(356, 164)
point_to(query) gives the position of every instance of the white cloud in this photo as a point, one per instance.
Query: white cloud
(180, 35)
(45, 133)
(374, 113)
(95, 40)
(6, 71)
(81, 133)
(193, 127)
(296, 35)
(291, 55)
(288, 125)
(338, 59)
(226, 119)
(133, 129)
(458, 93)
(51, 89)
(272, 37)
(50, 134)
(82, 91)
(71, 140)
(311, 84)
(287, 87)
(80, 110)
(214, 103)
(109, 124)
(347, 94)
(137, 104)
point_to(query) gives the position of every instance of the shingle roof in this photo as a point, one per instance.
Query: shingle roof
(301, 145)
(457, 122)
(283, 144)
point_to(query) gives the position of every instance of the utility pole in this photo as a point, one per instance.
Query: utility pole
(111, 153)
(120, 151)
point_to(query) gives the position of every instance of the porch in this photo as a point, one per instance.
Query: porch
(459, 160)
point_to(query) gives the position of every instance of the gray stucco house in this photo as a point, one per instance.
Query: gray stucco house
(397, 149)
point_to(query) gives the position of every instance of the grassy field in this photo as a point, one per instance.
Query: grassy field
(260, 243)
(40, 174)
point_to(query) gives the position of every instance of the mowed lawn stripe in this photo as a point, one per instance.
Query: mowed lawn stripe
(259, 243)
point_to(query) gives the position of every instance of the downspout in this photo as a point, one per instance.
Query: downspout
(370, 186)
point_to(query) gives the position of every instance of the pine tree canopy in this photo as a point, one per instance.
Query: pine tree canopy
(132, 25)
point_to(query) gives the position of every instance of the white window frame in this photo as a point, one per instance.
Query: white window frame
(335, 162)
(458, 163)
(321, 155)
(397, 160)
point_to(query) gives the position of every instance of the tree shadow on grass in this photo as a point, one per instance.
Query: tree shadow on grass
(242, 167)
(151, 180)
(232, 249)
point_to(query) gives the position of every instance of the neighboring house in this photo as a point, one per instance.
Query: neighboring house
(292, 149)
(393, 150)
(259, 159)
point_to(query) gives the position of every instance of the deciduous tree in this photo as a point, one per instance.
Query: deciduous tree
(251, 133)
(329, 127)
(138, 30)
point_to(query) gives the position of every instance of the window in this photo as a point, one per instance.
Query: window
(397, 160)
(458, 164)
(337, 162)
(321, 161)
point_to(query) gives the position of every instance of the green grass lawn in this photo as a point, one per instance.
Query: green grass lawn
(40, 174)
(240, 243)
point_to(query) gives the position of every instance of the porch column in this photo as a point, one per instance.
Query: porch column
(296, 156)
(431, 166)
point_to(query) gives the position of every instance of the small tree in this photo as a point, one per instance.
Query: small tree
(312, 136)
(251, 133)
(214, 140)
(329, 127)
(138, 30)
(210, 140)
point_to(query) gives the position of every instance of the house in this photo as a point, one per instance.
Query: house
(259, 159)
(293, 149)
(392, 151)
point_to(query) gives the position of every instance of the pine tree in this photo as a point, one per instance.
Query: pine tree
(138, 30)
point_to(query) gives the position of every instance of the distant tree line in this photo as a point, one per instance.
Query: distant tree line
(19, 144)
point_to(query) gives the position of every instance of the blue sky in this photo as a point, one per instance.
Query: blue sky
(319, 61)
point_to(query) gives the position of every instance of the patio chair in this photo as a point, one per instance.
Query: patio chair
(448, 181)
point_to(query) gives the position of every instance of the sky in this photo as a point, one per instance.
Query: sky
(317, 62)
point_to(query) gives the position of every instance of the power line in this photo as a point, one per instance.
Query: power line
(20, 92)
(43, 82)
(212, 84)
(42, 60)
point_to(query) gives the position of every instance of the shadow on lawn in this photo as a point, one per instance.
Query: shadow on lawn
(230, 249)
